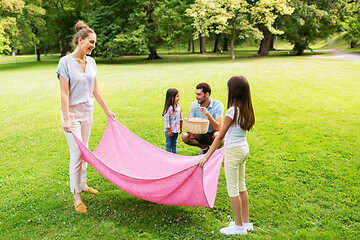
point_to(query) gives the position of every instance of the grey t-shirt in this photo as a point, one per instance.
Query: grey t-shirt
(81, 84)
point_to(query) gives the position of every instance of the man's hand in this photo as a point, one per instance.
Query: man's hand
(204, 111)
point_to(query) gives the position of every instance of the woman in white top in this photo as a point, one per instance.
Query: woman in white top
(239, 119)
(78, 84)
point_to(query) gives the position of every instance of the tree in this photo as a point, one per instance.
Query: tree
(264, 13)
(150, 23)
(31, 25)
(111, 19)
(352, 23)
(4, 42)
(10, 10)
(240, 25)
(61, 17)
(173, 25)
(141, 33)
(230, 17)
(310, 21)
(208, 16)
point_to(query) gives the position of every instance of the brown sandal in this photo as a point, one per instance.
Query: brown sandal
(81, 207)
(91, 190)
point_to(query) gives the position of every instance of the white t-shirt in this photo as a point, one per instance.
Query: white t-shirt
(235, 136)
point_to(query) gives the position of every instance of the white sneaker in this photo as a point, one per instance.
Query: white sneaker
(248, 226)
(234, 230)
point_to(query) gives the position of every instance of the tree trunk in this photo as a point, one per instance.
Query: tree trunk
(45, 52)
(60, 43)
(217, 44)
(265, 42)
(152, 27)
(13, 52)
(225, 43)
(233, 36)
(271, 46)
(38, 53)
(300, 47)
(153, 54)
(65, 49)
(193, 45)
(353, 44)
(202, 44)
(189, 46)
(18, 52)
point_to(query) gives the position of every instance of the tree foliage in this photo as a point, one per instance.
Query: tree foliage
(264, 13)
(10, 10)
(310, 21)
(140, 26)
(229, 17)
(61, 16)
(109, 19)
(352, 23)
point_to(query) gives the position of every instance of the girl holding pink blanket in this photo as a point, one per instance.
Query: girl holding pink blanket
(239, 119)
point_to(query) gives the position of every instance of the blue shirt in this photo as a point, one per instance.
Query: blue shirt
(216, 109)
(81, 84)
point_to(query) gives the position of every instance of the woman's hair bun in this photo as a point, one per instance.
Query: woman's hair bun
(80, 25)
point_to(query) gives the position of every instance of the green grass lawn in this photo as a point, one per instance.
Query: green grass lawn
(302, 173)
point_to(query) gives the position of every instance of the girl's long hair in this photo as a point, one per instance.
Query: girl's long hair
(170, 99)
(239, 96)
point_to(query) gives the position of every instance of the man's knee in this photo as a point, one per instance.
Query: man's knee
(185, 138)
(215, 135)
(190, 139)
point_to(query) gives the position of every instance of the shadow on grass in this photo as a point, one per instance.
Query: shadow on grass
(137, 216)
(165, 58)
(28, 65)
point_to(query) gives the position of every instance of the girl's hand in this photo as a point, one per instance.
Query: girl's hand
(112, 115)
(180, 131)
(67, 126)
(202, 162)
(170, 133)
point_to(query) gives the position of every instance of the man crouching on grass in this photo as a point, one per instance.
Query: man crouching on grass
(210, 108)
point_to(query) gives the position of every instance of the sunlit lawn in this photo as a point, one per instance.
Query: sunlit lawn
(302, 174)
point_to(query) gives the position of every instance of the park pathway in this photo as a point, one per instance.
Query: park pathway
(341, 55)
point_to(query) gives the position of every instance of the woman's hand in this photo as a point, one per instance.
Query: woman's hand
(67, 126)
(112, 115)
(170, 133)
(202, 162)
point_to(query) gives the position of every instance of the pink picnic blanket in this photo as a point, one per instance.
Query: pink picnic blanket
(151, 173)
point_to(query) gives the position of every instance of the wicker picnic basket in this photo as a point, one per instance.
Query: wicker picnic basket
(196, 125)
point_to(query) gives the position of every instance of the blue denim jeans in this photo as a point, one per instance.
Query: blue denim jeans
(171, 142)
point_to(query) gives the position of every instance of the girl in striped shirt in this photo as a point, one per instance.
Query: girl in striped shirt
(172, 119)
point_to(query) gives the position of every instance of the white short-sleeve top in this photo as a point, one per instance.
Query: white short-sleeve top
(81, 84)
(235, 136)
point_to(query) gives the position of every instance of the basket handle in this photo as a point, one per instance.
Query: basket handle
(193, 109)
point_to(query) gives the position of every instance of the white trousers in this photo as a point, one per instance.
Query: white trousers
(234, 166)
(81, 122)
